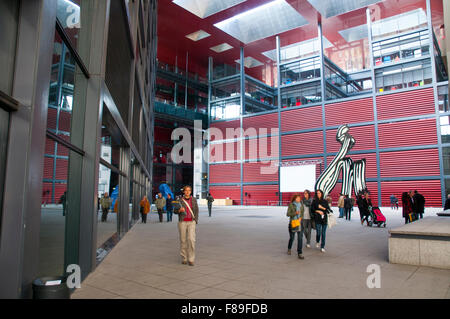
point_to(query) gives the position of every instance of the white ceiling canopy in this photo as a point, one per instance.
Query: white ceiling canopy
(249, 62)
(261, 22)
(206, 8)
(356, 33)
(221, 47)
(198, 35)
(331, 8)
(298, 49)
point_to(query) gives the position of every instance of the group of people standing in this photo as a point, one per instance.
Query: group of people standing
(413, 206)
(307, 214)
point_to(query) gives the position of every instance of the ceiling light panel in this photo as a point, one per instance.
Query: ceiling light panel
(299, 49)
(206, 8)
(221, 47)
(356, 33)
(331, 8)
(198, 35)
(261, 22)
(250, 62)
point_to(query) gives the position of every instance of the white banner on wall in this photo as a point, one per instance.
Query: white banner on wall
(297, 178)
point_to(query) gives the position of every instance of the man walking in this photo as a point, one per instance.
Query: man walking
(169, 207)
(419, 202)
(348, 205)
(341, 205)
(188, 219)
(105, 204)
(210, 200)
(160, 203)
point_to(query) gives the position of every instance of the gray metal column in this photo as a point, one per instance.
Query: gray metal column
(86, 134)
(280, 197)
(210, 78)
(323, 92)
(374, 102)
(242, 141)
(21, 217)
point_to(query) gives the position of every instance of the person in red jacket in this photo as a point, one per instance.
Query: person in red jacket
(407, 207)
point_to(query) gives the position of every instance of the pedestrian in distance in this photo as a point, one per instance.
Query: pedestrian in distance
(341, 205)
(407, 208)
(210, 200)
(63, 201)
(295, 217)
(144, 209)
(419, 203)
(169, 207)
(160, 203)
(105, 204)
(447, 203)
(188, 219)
(348, 205)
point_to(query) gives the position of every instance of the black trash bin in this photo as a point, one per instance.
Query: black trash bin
(51, 288)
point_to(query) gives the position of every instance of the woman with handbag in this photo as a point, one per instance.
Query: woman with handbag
(407, 207)
(320, 209)
(295, 216)
(307, 220)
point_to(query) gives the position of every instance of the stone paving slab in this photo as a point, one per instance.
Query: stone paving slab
(245, 257)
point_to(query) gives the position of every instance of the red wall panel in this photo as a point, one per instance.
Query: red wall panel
(354, 111)
(49, 146)
(230, 151)
(222, 126)
(265, 121)
(262, 147)
(225, 173)
(61, 169)
(163, 135)
(410, 163)
(405, 104)
(222, 192)
(64, 121)
(371, 163)
(302, 143)
(364, 136)
(253, 172)
(62, 150)
(431, 190)
(52, 114)
(301, 119)
(408, 133)
(48, 168)
(260, 194)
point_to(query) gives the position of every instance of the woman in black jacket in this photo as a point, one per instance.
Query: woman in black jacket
(320, 209)
(366, 204)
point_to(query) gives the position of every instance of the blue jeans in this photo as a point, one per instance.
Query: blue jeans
(341, 212)
(321, 231)
(169, 215)
(299, 240)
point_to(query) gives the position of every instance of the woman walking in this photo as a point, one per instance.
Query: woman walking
(320, 208)
(145, 208)
(407, 207)
(295, 216)
(307, 221)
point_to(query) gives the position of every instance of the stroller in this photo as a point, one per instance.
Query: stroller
(376, 217)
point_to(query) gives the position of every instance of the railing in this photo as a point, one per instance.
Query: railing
(165, 108)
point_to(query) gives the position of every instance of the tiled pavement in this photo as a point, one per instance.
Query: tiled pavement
(241, 253)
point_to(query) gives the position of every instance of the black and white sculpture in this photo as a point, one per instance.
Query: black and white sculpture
(353, 172)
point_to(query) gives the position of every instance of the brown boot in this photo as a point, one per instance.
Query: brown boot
(184, 262)
(289, 251)
(191, 263)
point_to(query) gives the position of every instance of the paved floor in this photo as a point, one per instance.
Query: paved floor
(241, 253)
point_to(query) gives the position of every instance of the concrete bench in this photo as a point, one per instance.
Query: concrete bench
(425, 242)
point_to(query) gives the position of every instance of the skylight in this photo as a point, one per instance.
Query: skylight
(356, 33)
(206, 8)
(198, 35)
(299, 49)
(331, 8)
(261, 22)
(221, 47)
(249, 62)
